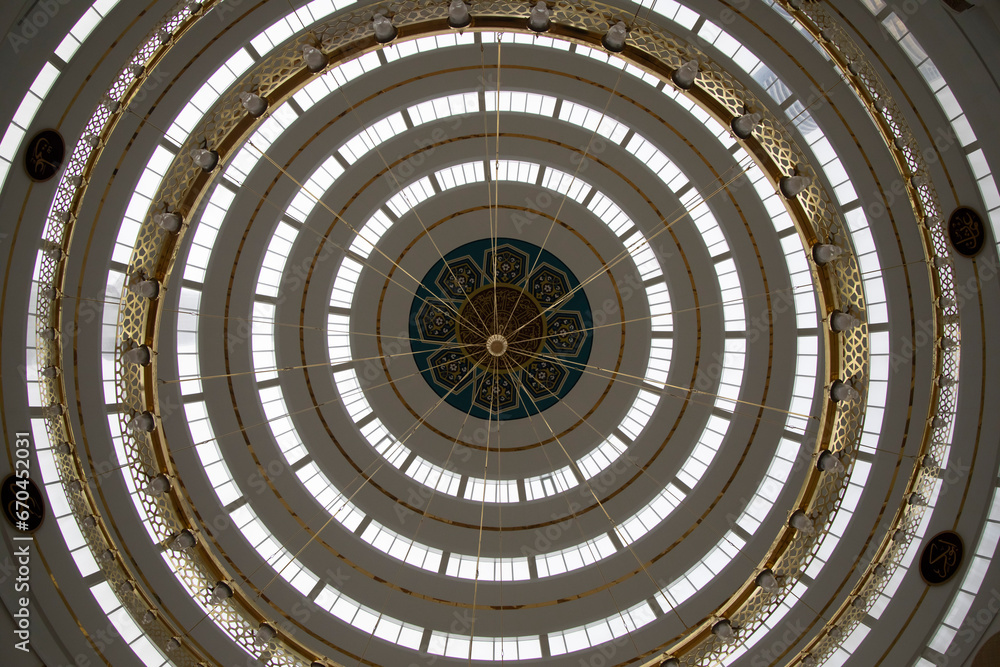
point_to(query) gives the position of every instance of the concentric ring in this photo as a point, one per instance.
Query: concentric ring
(624, 474)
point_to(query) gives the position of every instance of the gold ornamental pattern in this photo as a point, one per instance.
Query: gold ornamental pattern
(520, 322)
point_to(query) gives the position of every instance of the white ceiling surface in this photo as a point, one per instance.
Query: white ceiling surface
(63, 599)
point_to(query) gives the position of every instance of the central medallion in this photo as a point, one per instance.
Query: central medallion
(500, 329)
(504, 320)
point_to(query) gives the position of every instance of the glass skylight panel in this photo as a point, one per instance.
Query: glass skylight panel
(275, 258)
(372, 136)
(276, 33)
(733, 365)
(126, 627)
(328, 497)
(315, 91)
(352, 69)
(598, 460)
(549, 484)
(338, 338)
(393, 451)
(244, 162)
(523, 102)
(401, 49)
(401, 548)
(129, 477)
(433, 476)
(11, 142)
(150, 179)
(661, 319)
(366, 619)
(733, 312)
(666, 8)
(565, 184)
(649, 516)
(464, 566)
(343, 287)
(721, 132)
(277, 121)
(601, 631)
(208, 95)
(443, 107)
(660, 354)
(515, 170)
(349, 386)
(26, 111)
(484, 648)
(722, 40)
(188, 371)
(274, 554)
(654, 159)
(597, 54)
(645, 260)
(461, 174)
(216, 469)
(686, 17)
(494, 491)
(408, 197)
(611, 214)
(575, 557)
(711, 234)
(593, 120)
(45, 80)
(638, 416)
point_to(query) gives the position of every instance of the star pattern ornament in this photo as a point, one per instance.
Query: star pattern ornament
(501, 328)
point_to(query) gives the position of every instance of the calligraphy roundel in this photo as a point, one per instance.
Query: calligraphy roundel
(942, 557)
(23, 504)
(44, 155)
(966, 231)
(501, 327)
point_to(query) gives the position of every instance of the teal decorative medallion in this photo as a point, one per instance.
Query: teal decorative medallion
(502, 341)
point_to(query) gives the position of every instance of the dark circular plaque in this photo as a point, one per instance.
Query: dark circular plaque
(942, 557)
(966, 231)
(44, 155)
(23, 504)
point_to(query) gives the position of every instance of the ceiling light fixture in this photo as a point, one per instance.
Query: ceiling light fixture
(458, 14)
(684, 76)
(801, 522)
(743, 126)
(792, 186)
(824, 253)
(254, 104)
(385, 31)
(168, 222)
(314, 58)
(768, 582)
(205, 158)
(538, 20)
(614, 41)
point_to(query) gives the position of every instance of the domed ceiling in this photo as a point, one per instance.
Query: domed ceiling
(564, 334)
